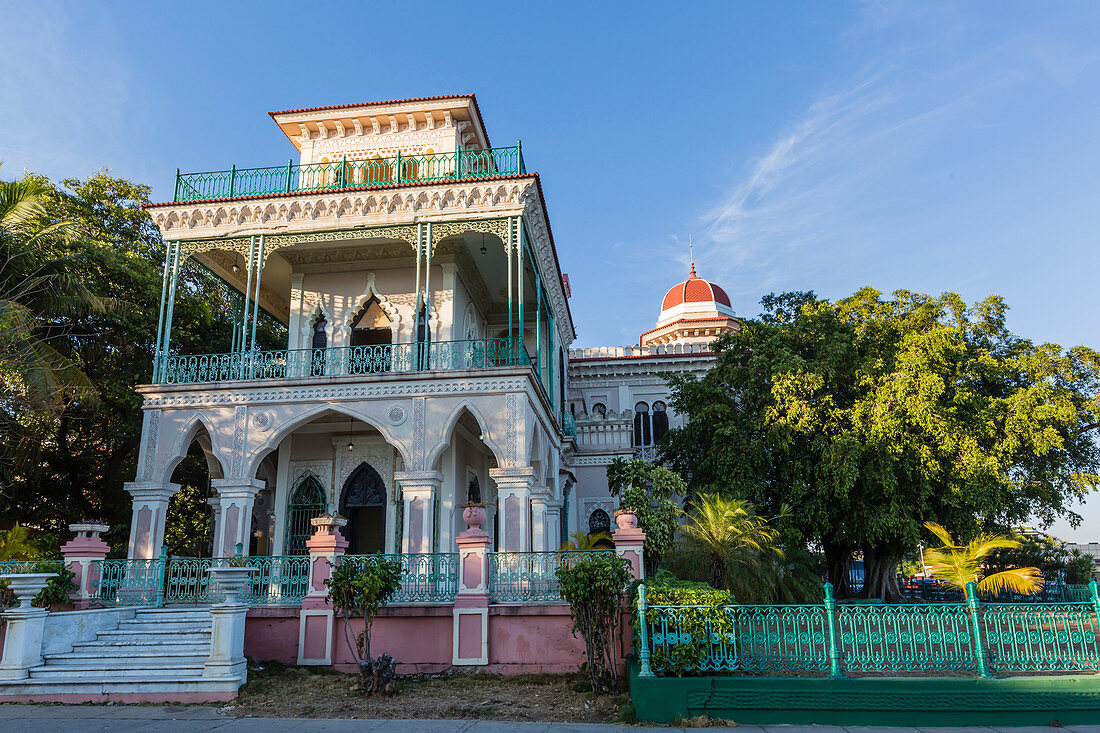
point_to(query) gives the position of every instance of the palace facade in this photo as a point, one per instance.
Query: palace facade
(428, 361)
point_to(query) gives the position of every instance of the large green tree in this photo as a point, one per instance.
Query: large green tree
(89, 449)
(871, 415)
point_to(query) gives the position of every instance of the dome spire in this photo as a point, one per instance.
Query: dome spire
(691, 254)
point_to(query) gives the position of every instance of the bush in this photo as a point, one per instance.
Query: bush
(700, 612)
(593, 587)
(358, 589)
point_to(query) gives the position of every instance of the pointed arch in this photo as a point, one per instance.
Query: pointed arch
(285, 428)
(448, 430)
(198, 427)
(361, 301)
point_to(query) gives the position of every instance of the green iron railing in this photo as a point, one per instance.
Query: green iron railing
(972, 636)
(344, 361)
(568, 424)
(127, 582)
(426, 577)
(523, 577)
(278, 580)
(345, 174)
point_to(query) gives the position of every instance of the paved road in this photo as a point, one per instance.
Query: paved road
(197, 719)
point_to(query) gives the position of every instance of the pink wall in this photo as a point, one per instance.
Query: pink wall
(522, 639)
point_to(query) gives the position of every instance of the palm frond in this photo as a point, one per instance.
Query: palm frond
(1017, 580)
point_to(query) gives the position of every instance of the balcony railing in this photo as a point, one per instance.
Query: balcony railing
(341, 174)
(344, 361)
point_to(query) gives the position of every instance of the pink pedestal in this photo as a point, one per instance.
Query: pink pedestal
(629, 544)
(470, 632)
(317, 621)
(80, 554)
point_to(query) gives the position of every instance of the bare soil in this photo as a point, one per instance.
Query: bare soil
(278, 691)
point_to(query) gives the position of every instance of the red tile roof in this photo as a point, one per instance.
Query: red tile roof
(695, 290)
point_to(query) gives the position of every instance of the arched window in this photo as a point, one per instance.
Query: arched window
(473, 492)
(660, 420)
(363, 502)
(307, 501)
(599, 521)
(643, 432)
(599, 409)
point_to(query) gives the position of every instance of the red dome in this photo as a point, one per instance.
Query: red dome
(695, 290)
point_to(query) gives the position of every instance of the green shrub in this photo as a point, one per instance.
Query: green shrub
(358, 589)
(593, 587)
(700, 611)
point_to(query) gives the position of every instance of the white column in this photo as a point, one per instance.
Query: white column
(553, 525)
(419, 490)
(539, 537)
(514, 507)
(150, 509)
(236, 497)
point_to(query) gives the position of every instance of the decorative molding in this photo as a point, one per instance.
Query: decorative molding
(374, 451)
(418, 434)
(511, 456)
(600, 460)
(282, 395)
(497, 227)
(261, 421)
(320, 470)
(397, 415)
(240, 425)
(149, 463)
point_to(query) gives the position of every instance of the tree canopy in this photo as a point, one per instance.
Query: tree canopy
(81, 453)
(872, 415)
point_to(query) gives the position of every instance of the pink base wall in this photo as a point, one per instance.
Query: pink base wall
(522, 639)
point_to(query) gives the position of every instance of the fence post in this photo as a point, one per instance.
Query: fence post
(232, 181)
(162, 564)
(643, 635)
(80, 554)
(1095, 593)
(835, 670)
(519, 149)
(176, 197)
(317, 621)
(289, 173)
(976, 629)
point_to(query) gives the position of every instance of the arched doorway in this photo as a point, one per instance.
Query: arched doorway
(307, 501)
(363, 502)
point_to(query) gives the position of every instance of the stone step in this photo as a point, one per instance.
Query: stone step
(153, 630)
(186, 688)
(169, 647)
(89, 671)
(199, 618)
(148, 660)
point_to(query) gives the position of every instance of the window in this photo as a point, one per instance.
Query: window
(318, 345)
(660, 420)
(599, 521)
(643, 431)
(599, 409)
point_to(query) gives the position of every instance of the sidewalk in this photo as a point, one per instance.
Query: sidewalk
(195, 719)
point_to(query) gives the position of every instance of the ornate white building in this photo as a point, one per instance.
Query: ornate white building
(427, 361)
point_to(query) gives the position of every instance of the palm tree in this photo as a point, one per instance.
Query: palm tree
(38, 287)
(725, 542)
(957, 565)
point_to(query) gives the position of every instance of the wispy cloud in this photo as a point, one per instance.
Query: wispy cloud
(815, 200)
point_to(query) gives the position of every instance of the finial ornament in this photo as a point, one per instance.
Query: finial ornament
(691, 253)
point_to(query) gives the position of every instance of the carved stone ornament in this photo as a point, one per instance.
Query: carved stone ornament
(397, 415)
(261, 421)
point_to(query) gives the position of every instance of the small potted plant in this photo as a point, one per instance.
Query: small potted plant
(626, 518)
(473, 513)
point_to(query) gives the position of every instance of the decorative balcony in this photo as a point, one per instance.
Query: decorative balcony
(344, 361)
(350, 174)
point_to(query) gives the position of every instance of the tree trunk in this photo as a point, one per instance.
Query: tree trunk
(880, 579)
(837, 564)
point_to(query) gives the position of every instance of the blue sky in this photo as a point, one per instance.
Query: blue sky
(824, 146)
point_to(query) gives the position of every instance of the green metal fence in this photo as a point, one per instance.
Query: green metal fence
(345, 174)
(344, 361)
(127, 582)
(278, 580)
(973, 636)
(426, 577)
(524, 577)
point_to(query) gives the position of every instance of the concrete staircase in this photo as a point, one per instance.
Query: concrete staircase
(157, 655)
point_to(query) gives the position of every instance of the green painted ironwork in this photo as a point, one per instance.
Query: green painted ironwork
(568, 424)
(307, 501)
(350, 174)
(278, 580)
(128, 582)
(972, 636)
(524, 577)
(345, 361)
(426, 577)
